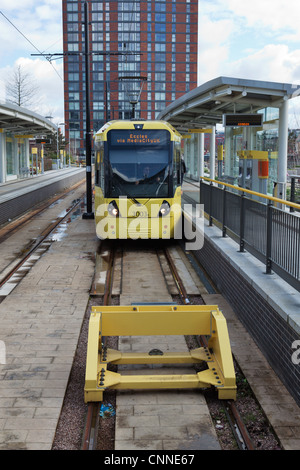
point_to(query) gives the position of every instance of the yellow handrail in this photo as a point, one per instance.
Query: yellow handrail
(244, 190)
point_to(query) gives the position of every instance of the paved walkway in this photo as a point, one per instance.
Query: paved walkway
(40, 325)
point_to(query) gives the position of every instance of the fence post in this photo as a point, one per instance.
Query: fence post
(200, 182)
(269, 239)
(224, 213)
(210, 204)
(242, 223)
(292, 198)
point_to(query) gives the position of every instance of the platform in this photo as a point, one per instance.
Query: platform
(17, 196)
(40, 326)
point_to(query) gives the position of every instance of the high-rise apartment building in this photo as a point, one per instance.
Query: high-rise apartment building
(150, 44)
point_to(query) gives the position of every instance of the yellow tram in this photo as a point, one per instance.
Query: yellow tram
(138, 180)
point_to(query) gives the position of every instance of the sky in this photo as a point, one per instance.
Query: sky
(40, 21)
(258, 40)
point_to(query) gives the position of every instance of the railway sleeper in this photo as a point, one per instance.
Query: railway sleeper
(141, 320)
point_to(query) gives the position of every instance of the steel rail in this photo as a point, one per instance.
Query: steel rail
(38, 242)
(90, 431)
(238, 426)
(89, 441)
(243, 434)
(177, 279)
(6, 230)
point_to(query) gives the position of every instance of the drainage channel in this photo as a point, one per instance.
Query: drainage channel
(18, 269)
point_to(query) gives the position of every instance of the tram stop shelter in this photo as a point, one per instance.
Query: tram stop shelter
(17, 126)
(253, 116)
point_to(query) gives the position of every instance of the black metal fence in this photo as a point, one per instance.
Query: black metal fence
(295, 191)
(270, 233)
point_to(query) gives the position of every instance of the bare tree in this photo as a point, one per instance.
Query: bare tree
(21, 88)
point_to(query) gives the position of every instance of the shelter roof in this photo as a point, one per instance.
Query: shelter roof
(205, 105)
(20, 120)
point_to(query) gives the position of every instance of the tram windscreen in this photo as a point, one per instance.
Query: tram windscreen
(139, 163)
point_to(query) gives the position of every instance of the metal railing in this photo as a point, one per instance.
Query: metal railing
(295, 191)
(265, 229)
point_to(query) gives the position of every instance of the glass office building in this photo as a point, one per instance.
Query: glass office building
(147, 47)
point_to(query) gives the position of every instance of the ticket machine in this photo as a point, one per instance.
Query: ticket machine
(253, 170)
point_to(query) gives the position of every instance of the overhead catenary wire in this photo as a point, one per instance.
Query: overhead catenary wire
(31, 43)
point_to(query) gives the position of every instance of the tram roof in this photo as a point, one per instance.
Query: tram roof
(14, 118)
(134, 124)
(205, 105)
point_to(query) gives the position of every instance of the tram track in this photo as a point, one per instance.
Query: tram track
(14, 271)
(235, 420)
(89, 441)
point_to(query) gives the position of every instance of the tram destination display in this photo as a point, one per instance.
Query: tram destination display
(138, 137)
(242, 120)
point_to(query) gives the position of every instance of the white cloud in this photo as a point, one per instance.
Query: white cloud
(214, 45)
(275, 62)
(227, 45)
(260, 41)
(271, 14)
(40, 30)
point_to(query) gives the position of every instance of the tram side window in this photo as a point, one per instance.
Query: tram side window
(97, 168)
(176, 166)
(99, 176)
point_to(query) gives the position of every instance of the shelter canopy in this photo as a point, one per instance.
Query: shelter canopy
(20, 120)
(205, 105)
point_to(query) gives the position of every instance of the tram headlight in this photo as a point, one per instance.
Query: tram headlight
(164, 209)
(113, 209)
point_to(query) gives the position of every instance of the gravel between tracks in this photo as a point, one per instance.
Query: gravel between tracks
(71, 423)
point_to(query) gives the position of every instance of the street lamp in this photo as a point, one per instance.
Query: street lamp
(57, 147)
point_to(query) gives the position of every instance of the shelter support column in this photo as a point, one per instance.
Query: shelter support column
(212, 152)
(2, 158)
(201, 154)
(227, 160)
(282, 149)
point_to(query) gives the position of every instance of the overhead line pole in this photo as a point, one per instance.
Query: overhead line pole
(88, 140)
(88, 143)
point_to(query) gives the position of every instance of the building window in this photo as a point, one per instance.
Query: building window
(160, 97)
(72, 47)
(73, 37)
(74, 77)
(160, 37)
(72, 17)
(72, 7)
(97, 16)
(160, 7)
(160, 47)
(97, 6)
(160, 17)
(160, 77)
(160, 86)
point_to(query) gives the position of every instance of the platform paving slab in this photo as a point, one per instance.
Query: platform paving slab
(40, 326)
